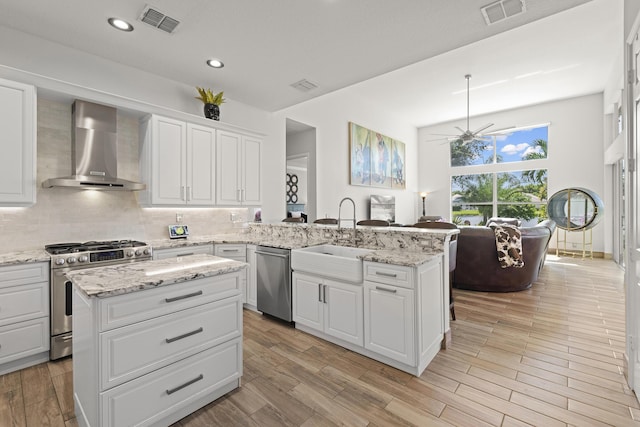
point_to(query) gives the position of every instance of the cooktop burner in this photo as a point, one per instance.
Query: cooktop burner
(70, 248)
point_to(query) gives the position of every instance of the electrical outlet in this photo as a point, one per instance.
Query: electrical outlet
(178, 217)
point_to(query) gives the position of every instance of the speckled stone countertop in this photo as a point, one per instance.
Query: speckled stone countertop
(200, 240)
(132, 277)
(37, 255)
(403, 258)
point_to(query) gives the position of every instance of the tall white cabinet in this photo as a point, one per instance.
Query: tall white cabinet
(177, 162)
(238, 169)
(18, 125)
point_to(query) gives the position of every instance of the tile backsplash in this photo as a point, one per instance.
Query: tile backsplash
(71, 215)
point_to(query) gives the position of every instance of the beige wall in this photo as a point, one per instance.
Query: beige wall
(66, 215)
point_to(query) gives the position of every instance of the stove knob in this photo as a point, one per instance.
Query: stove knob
(129, 254)
(71, 260)
(83, 258)
(60, 261)
(138, 252)
(147, 251)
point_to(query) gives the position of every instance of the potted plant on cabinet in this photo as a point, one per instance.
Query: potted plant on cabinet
(211, 102)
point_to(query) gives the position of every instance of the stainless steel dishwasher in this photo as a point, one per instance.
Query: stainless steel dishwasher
(274, 281)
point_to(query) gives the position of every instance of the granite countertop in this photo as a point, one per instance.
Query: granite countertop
(120, 279)
(201, 240)
(396, 257)
(23, 257)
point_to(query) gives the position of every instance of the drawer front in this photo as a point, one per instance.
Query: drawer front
(237, 252)
(143, 347)
(13, 275)
(183, 251)
(390, 274)
(151, 398)
(24, 339)
(19, 303)
(123, 310)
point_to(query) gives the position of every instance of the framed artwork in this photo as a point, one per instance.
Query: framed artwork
(375, 159)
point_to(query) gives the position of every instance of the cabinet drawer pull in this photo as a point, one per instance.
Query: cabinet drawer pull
(382, 273)
(187, 384)
(393, 291)
(230, 250)
(194, 294)
(188, 334)
(186, 254)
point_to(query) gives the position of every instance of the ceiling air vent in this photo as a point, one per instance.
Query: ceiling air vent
(304, 85)
(503, 9)
(159, 20)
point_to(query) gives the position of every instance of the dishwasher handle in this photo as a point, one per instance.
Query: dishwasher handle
(272, 254)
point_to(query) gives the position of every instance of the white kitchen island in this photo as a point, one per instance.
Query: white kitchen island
(154, 341)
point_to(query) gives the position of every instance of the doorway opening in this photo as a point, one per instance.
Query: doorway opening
(300, 187)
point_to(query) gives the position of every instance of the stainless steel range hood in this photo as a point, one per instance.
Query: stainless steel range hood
(94, 151)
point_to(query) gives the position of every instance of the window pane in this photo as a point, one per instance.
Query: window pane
(471, 214)
(476, 152)
(525, 144)
(472, 189)
(528, 213)
(523, 186)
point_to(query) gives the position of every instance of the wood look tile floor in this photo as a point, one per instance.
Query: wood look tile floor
(548, 356)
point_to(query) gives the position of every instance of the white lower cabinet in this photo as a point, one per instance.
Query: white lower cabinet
(151, 399)
(390, 321)
(236, 252)
(395, 316)
(403, 309)
(252, 279)
(329, 306)
(180, 351)
(24, 315)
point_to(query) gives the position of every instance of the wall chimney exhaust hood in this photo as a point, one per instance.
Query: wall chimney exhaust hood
(94, 151)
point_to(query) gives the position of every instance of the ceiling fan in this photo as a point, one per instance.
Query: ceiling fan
(466, 136)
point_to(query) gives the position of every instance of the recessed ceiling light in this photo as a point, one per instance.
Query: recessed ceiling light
(215, 63)
(120, 24)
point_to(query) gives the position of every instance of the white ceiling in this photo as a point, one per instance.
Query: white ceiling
(557, 49)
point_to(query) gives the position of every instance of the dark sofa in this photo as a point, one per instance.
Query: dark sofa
(478, 268)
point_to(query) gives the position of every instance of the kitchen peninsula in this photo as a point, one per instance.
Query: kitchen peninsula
(165, 337)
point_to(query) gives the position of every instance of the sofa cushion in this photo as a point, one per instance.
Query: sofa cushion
(503, 220)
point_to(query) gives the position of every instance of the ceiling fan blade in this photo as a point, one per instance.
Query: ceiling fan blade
(482, 128)
(501, 130)
(460, 129)
(442, 134)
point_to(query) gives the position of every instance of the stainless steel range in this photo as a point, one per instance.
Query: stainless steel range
(73, 256)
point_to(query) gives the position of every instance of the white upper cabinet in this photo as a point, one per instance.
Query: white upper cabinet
(238, 168)
(18, 126)
(177, 163)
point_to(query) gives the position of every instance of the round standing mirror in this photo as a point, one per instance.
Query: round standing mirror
(575, 209)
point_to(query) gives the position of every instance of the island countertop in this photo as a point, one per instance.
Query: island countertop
(120, 279)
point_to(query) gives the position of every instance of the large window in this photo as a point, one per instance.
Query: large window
(501, 147)
(500, 191)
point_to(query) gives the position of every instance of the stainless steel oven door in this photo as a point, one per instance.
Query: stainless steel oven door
(61, 302)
